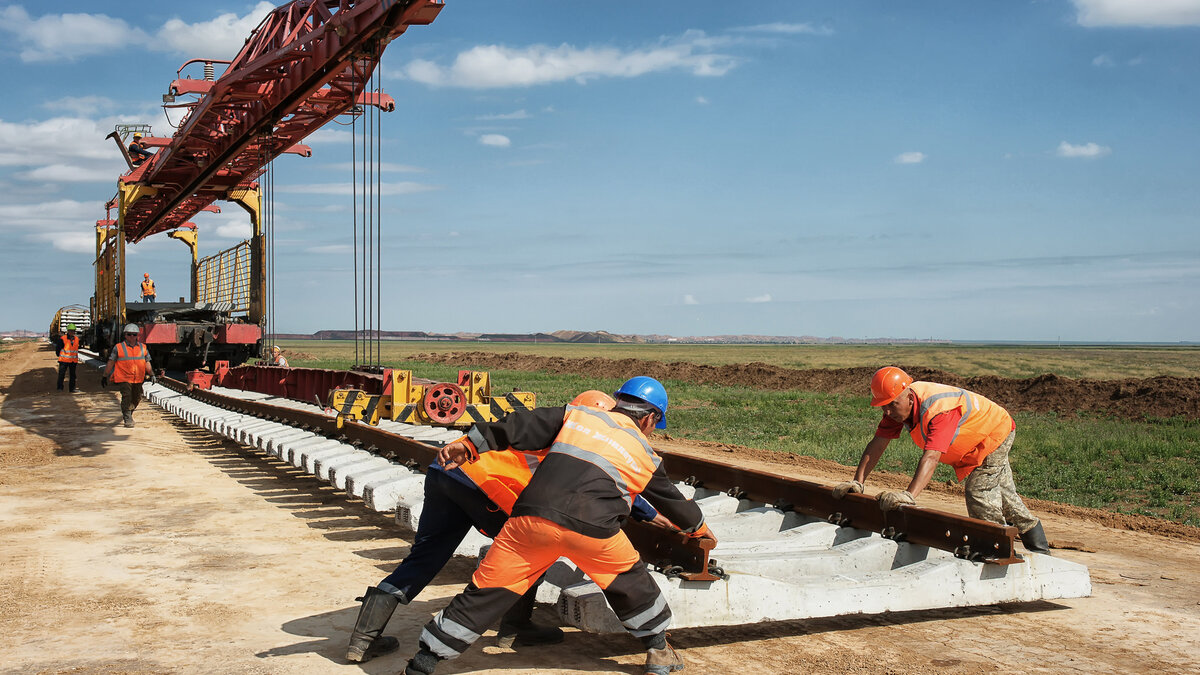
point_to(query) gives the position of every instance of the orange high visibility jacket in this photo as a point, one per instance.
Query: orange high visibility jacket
(131, 363)
(983, 427)
(70, 350)
(502, 475)
(148, 287)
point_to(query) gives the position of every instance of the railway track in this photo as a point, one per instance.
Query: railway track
(785, 552)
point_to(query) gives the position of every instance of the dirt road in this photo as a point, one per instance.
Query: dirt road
(160, 549)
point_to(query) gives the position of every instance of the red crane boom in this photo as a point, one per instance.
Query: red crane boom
(306, 63)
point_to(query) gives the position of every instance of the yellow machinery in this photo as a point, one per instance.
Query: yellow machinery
(445, 404)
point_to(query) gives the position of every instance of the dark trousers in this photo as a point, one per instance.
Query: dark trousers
(131, 395)
(451, 509)
(148, 298)
(63, 369)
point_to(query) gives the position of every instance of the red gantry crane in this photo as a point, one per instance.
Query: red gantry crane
(306, 63)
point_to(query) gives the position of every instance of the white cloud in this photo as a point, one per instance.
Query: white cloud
(56, 140)
(330, 249)
(1103, 61)
(515, 115)
(234, 229)
(56, 215)
(786, 29)
(1143, 13)
(81, 105)
(219, 38)
(690, 299)
(66, 37)
(70, 173)
(909, 158)
(494, 66)
(701, 100)
(398, 188)
(1085, 151)
(495, 140)
(765, 297)
(328, 135)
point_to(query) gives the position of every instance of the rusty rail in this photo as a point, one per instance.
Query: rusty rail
(673, 552)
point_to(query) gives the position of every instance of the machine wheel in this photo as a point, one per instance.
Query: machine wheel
(444, 402)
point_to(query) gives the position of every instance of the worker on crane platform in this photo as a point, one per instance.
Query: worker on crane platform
(480, 495)
(148, 293)
(138, 152)
(956, 427)
(574, 506)
(66, 348)
(129, 366)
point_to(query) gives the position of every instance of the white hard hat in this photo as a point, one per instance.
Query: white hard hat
(275, 348)
(131, 328)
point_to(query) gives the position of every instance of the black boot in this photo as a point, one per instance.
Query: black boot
(516, 628)
(1035, 540)
(367, 641)
(422, 663)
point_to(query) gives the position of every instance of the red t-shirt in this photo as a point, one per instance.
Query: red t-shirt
(941, 428)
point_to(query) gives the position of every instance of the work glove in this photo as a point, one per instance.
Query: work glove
(703, 533)
(842, 489)
(153, 379)
(104, 381)
(894, 499)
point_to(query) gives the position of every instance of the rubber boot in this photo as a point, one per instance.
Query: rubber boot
(422, 663)
(366, 642)
(128, 419)
(662, 661)
(1035, 540)
(516, 628)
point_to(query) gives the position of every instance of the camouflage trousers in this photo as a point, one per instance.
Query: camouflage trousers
(991, 493)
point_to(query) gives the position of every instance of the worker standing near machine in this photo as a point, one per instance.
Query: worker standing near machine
(138, 152)
(574, 506)
(956, 427)
(480, 494)
(277, 358)
(66, 348)
(129, 366)
(148, 292)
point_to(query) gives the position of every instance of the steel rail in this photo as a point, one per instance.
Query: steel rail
(673, 552)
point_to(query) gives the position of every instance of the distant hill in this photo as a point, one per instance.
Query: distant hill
(597, 337)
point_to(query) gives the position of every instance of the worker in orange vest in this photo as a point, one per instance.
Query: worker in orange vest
(138, 152)
(148, 293)
(66, 347)
(597, 463)
(480, 495)
(129, 366)
(277, 358)
(956, 427)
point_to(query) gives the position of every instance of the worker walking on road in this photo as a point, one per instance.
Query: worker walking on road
(66, 347)
(574, 506)
(480, 494)
(138, 152)
(277, 358)
(148, 293)
(129, 366)
(956, 427)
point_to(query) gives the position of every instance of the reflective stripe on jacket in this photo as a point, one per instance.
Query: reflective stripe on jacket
(70, 350)
(148, 287)
(130, 363)
(983, 427)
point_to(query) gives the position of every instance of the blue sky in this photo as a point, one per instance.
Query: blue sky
(957, 170)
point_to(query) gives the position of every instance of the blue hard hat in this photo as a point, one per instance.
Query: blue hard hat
(651, 391)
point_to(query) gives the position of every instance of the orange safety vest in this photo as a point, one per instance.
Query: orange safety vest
(502, 474)
(613, 443)
(131, 363)
(70, 350)
(148, 287)
(983, 427)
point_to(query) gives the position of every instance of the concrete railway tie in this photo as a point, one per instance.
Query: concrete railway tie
(778, 565)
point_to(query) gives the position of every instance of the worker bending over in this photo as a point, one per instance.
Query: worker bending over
(956, 427)
(129, 366)
(148, 292)
(66, 348)
(480, 494)
(574, 506)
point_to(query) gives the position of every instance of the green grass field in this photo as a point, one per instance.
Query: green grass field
(1149, 468)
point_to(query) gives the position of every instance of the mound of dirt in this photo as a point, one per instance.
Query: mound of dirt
(1154, 397)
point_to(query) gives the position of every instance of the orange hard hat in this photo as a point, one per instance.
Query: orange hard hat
(147, 275)
(888, 383)
(594, 399)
